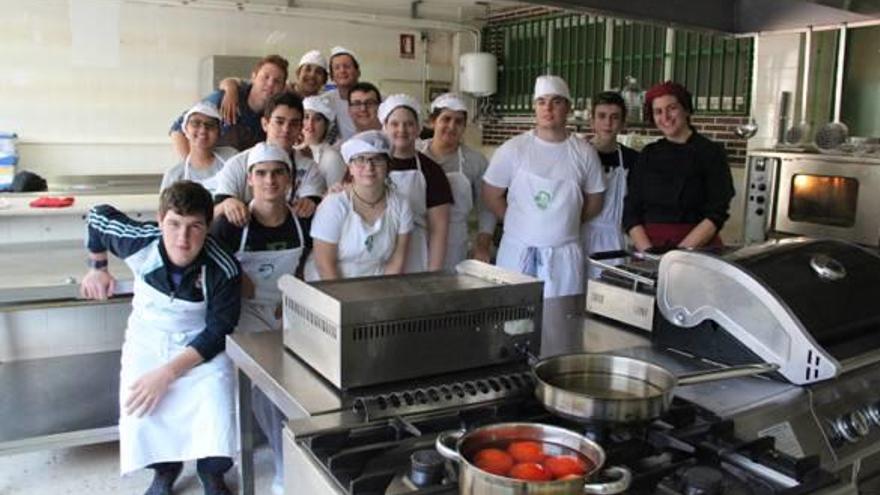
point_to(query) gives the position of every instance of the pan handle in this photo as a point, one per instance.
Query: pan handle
(443, 441)
(725, 373)
(622, 478)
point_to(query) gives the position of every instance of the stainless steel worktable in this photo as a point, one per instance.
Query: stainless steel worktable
(311, 402)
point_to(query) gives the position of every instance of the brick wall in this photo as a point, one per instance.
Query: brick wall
(717, 128)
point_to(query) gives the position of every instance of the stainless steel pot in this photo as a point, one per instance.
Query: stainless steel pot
(603, 387)
(473, 480)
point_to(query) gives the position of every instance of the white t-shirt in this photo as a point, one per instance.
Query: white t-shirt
(232, 180)
(200, 175)
(572, 159)
(343, 120)
(330, 163)
(329, 223)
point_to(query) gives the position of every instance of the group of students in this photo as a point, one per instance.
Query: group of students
(283, 179)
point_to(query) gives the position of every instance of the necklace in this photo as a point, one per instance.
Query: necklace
(371, 204)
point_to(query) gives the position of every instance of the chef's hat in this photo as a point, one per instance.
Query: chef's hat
(341, 50)
(320, 104)
(449, 101)
(399, 100)
(204, 108)
(365, 142)
(313, 57)
(551, 86)
(265, 152)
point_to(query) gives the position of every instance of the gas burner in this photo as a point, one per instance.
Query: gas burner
(688, 451)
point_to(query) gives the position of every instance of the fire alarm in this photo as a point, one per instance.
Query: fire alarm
(407, 46)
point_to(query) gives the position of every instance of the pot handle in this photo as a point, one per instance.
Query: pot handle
(622, 478)
(443, 441)
(725, 373)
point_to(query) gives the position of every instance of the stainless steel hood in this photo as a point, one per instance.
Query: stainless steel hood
(731, 16)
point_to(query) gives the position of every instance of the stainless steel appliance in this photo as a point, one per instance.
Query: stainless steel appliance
(622, 287)
(809, 306)
(373, 330)
(816, 195)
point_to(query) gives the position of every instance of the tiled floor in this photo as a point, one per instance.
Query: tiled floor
(94, 470)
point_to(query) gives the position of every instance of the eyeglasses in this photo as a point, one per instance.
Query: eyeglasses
(364, 104)
(208, 125)
(375, 161)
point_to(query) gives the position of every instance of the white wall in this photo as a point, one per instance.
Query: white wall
(90, 92)
(776, 70)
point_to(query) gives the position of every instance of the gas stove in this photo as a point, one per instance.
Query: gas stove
(689, 451)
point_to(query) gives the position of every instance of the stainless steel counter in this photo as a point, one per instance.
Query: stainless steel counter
(33, 272)
(312, 403)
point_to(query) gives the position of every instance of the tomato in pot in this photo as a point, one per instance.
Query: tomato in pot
(495, 461)
(561, 466)
(530, 471)
(526, 451)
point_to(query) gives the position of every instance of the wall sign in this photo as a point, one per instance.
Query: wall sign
(407, 46)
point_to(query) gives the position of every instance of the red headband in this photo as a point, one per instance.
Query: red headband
(667, 88)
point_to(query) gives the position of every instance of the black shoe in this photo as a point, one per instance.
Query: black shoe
(164, 479)
(214, 484)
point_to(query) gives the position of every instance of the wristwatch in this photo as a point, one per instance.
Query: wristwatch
(97, 264)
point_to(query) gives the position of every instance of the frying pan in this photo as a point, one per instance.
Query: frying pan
(606, 388)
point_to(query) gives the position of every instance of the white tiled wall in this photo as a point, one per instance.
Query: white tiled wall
(108, 111)
(776, 70)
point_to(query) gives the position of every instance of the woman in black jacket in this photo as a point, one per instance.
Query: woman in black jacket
(679, 192)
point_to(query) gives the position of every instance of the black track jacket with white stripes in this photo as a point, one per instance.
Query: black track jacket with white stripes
(140, 245)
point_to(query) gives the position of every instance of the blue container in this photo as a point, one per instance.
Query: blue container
(8, 159)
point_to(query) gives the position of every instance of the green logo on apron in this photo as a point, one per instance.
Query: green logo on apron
(542, 199)
(368, 243)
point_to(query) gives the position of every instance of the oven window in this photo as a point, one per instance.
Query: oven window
(822, 199)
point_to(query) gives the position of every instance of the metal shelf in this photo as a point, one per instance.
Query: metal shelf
(59, 402)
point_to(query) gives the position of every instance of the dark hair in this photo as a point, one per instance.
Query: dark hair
(353, 60)
(609, 98)
(365, 87)
(437, 111)
(285, 98)
(276, 60)
(186, 197)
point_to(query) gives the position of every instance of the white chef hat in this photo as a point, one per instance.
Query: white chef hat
(365, 142)
(398, 100)
(265, 152)
(313, 57)
(320, 104)
(551, 86)
(449, 101)
(341, 50)
(204, 108)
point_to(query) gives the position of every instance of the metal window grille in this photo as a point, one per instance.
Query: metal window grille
(594, 53)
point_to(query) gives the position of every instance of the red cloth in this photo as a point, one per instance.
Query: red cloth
(52, 202)
(669, 235)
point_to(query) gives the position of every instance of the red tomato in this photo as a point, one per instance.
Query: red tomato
(526, 451)
(530, 471)
(570, 477)
(495, 461)
(564, 465)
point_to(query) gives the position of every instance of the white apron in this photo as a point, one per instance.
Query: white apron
(211, 182)
(605, 232)
(411, 185)
(542, 231)
(264, 268)
(195, 418)
(462, 195)
(363, 249)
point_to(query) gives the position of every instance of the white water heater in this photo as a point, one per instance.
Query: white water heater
(478, 73)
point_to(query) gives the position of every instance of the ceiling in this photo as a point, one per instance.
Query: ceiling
(731, 16)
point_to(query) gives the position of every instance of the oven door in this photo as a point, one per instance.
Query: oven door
(836, 199)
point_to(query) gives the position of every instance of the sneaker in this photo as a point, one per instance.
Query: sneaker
(214, 484)
(163, 480)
